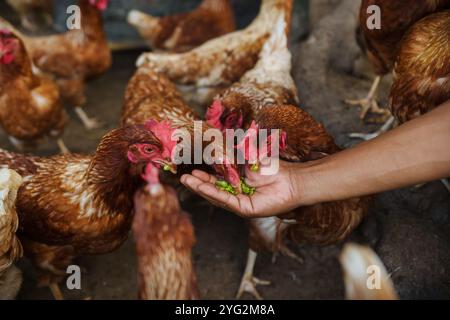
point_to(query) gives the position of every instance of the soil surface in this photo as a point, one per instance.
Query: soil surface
(409, 229)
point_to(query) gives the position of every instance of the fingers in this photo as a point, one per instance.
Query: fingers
(205, 177)
(202, 185)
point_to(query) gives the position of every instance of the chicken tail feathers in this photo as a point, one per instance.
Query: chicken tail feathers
(147, 25)
(365, 276)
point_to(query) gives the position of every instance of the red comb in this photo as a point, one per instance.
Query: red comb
(249, 145)
(7, 46)
(5, 32)
(163, 131)
(99, 4)
(214, 113)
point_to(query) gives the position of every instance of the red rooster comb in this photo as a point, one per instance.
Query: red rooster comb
(214, 113)
(163, 131)
(248, 146)
(99, 4)
(7, 46)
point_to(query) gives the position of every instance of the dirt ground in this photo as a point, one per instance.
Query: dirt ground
(409, 229)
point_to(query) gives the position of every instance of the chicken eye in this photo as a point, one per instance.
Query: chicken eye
(149, 149)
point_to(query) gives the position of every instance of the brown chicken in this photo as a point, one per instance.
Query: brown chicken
(262, 95)
(164, 238)
(221, 61)
(75, 56)
(30, 105)
(152, 96)
(359, 263)
(72, 205)
(382, 45)
(321, 224)
(10, 247)
(182, 32)
(422, 68)
(33, 13)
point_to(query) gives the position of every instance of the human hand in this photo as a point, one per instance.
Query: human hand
(275, 194)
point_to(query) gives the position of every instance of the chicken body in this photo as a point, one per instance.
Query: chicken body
(397, 17)
(164, 239)
(182, 32)
(73, 57)
(30, 105)
(382, 45)
(71, 205)
(422, 69)
(221, 61)
(151, 95)
(33, 13)
(10, 247)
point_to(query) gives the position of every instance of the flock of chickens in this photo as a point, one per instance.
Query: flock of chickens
(64, 206)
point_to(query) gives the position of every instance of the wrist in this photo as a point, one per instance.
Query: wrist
(306, 183)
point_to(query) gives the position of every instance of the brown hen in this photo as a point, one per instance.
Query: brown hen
(73, 57)
(182, 32)
(382, 45)
(30, 105)
(422, 69)
(72, 205)
(164, 238)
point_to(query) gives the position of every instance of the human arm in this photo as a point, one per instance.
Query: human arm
(416, 152)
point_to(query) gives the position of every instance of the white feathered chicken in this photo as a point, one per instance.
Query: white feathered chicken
(365, 276)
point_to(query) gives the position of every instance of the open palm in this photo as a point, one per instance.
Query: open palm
(275, 194)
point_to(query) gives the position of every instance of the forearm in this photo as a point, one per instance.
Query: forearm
(416, 152)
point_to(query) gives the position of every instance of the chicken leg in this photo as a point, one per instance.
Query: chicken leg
(56, 291)
(89, 123)
(249, 282)
(446, 184)
(62, 146)
(369, 103)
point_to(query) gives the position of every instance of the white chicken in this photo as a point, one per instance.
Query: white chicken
(361, 265)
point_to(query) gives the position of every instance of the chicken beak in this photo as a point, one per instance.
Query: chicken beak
(170, 167)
